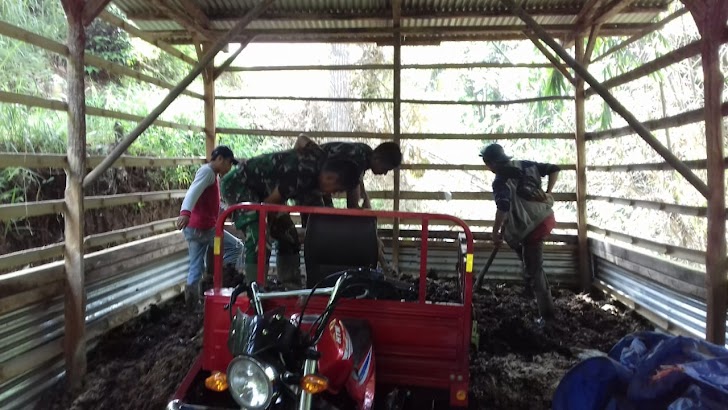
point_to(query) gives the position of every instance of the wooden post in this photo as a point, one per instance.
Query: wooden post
(396, 119)
(710, 17)
(208, 79)
(74, 296)
(585, 273)
(613, 103)
(174, 93)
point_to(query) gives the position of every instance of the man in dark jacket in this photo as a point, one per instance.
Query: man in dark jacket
(526, 213)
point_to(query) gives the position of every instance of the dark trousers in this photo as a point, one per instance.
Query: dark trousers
(530, 252)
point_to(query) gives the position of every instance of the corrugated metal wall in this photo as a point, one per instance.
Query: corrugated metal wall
(31, 353)
(671, 295)
(124, 281)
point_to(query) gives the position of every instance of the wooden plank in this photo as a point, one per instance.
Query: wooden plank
(56, 206)
(613, 103)
(457, 167)
(675, 56)
(656, 205)
(679, 252)
(662, 266)
(209, 56)
(403, 136)
(19, 300)
(74, 304)
(33, 160)
(34, 255)
(651, 166)
(132, 255)
(135, 32)
(480, 236)
(585, 272)
(391, 100)
(30, 101)
(685, 118)
(448, 66)
(31, 278)
(467, 195)
(712, 26)
(636, 37)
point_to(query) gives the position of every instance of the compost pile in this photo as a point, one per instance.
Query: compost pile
(517, 366)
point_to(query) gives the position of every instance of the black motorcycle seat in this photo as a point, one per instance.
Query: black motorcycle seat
(361, 339)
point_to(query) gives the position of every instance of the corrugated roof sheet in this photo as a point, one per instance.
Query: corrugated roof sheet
(306, 15)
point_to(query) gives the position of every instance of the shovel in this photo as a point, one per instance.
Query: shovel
(479, 279)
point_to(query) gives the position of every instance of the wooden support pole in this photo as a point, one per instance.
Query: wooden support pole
(396, 119)
(74, 296)
(711, 24)
(208, 79)
(585, 274)
(174, 93)
(613, 103)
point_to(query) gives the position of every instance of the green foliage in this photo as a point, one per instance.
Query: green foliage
(110, 43)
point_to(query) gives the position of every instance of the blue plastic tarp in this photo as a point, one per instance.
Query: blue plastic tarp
(649, 370)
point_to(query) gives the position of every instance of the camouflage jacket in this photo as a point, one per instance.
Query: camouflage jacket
(357, 152)
(294, 174)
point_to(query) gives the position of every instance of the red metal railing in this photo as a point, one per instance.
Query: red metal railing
(264, 209)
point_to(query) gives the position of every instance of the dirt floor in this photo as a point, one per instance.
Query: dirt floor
(517, 366)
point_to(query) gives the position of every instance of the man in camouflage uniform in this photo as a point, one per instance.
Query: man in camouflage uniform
(275, 178)
(380, 160)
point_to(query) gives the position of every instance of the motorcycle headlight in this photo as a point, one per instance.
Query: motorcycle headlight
(250, 382)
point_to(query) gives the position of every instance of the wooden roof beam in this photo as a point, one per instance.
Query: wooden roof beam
(636, 37)
(596, 18)
(386, 14)
(187, 19)
(555, 61)
(613, 103)
(92, 9)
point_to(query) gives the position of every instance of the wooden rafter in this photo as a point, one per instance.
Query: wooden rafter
(654, 27)
(224, 66)
(555, 61)
(188, 19)
(613, 103)
(92, 9)
(197, 14)
(174, 93)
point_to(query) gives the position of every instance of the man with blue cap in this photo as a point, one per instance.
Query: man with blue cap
(525, 212)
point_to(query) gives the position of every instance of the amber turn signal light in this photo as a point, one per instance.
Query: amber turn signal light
(313, 383)
(217, 382)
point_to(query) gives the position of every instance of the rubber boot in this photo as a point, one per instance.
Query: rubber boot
(192, 296)
(289, 270)
(533, 258)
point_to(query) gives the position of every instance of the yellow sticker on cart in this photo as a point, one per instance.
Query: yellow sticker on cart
(216, 245)
(469, 263)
